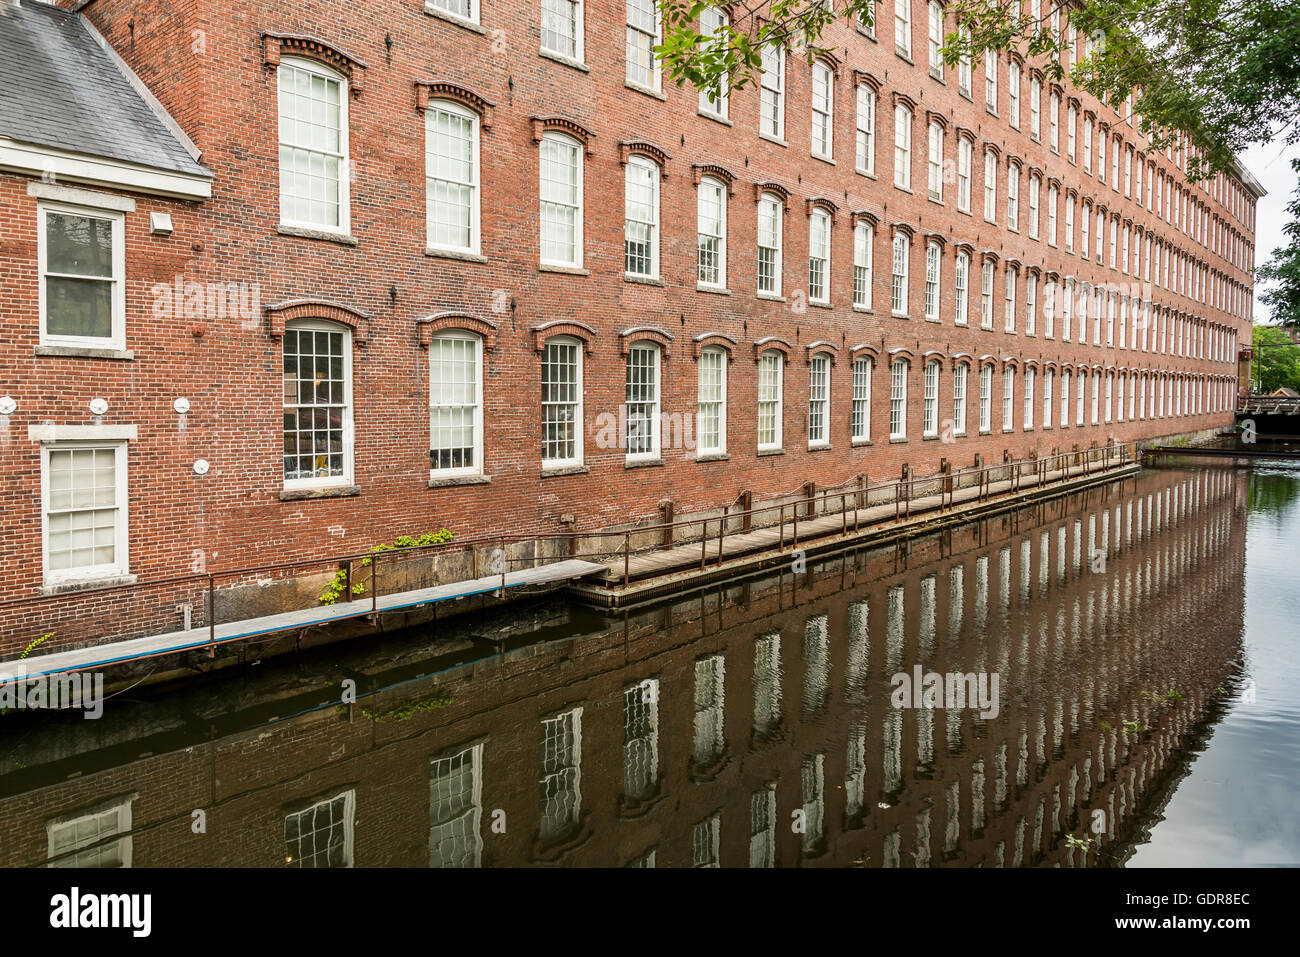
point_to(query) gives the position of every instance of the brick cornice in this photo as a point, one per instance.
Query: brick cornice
(426, 90)
(775, 188)
(701, 170)
(563, 124)
(629, 148)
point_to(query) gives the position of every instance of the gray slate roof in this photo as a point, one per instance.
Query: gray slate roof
(60, 89)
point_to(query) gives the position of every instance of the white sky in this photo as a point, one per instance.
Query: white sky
(1271, 165)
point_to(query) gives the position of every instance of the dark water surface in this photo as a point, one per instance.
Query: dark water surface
(1140, 635)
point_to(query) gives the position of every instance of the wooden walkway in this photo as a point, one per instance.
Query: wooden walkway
(118, 652)
(769, 538)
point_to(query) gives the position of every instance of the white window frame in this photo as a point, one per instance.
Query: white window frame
(864, 240)
(823, 114)
(709, 354)
(898, 279)
(935, 178)
(456, 110)
(568, 142)
(865, 144)
(720, 194)
(933, 268)
(778, 208)
(772, 93)
(965, 152)
(711, 20)
(645, 165)
(771, 358)
(650, 349)
(577, 405)
(568, 12)
(961, 289)
(986, 398)
(960, 373)
(117, 295)
(344, 225)
(860, 413)
(903, 27)
(460, 335)
(121, 531)
(349, 442)
(903, 147)
(656, 69)
(819, 254)
(930, 400)
(898, 370)
(819, 399)
(123, 843)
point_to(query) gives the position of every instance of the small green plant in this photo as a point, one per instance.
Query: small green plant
(1078, 843)
(1220, 690)
(36, 644)
(1173, 697)
(1132, 727)
(335, 589)
(1104, 725)
(409, 709)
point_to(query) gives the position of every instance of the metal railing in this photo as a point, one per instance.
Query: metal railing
(199, 591)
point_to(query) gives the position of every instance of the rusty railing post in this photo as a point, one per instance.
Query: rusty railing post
(782, 527)
(704, 543)
(627, 558)
(722, 526)
(212, 616)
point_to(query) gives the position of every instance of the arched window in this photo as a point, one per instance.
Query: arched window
(641, 224)
(452, 176)
(932, 260)
(819, 400)
(770, 369)
(898, 283)
(861, 413)
(863, 248)
(643, 399)
(930, 407)
(959, 373)
(313, 146)
(819, 256)
(898, 399)
(455, 404)
(561, 402)
(711, 427)
(560, 164)
(711, 227)
(317, 404)
(770, 211)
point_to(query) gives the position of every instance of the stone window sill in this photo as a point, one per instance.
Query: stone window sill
(772, 139)
(563, 270)
(713, 457)
(861, 443)
(328, 491)
(713, 290)
(453, 18)
(324, 235)
(449, 481)
(769, 297)
(642, 463)
(820, 447)
(559, 470)
(567, 61)
(865, 309)
(643, 280)
(458, 254)
(84, 352)
(88, 584)
(715, 117)
(647, 90)
(765, 452)
(897, 441)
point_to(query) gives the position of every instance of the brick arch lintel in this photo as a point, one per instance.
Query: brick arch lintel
(701, 170)
(719, 340)
(776, 189)
(485, 328)
(821, 346)
(772, 342)
(629, 148)
(279, 314)
(471, 99)
(563, 124)
(564, 327)
(864, 349)
(656, 334)
(277, 45)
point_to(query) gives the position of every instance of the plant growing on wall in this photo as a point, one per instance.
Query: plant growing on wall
(335, 589)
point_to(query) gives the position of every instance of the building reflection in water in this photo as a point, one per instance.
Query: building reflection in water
(1112, 619)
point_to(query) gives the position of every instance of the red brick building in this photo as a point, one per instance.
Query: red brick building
(312, 276)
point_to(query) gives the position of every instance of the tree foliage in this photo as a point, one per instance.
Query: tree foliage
(1224, 73)
(1277, 359)
(1282, 272)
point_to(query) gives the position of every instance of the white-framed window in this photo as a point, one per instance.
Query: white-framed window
(1030, 375)
(1033, 207)
(1048, 376)
(1008, 399)
(770, 210)
(1119, 396)
(560, 784)
(94, 837)
(1071, 128)
(864, 239)
(986, 398)
(990, 186)
(935, 180)
(936, 38)
(313, 111)
(641, 223)
(823, 110)
(641, 739)
(819, 256)
(903, 27)
(932, 263)
(898, 399)
(455, 404)
(560, 167)
(986, 295)
(902, 147)
(1067, 309)
(898, 278)
(642, 401)
(770, 387)
(1031, 304)
(863, 366)
(456, 808)
(1013, 197)
(771, 120)
(930, 406)
(1035, 107)
(1084, 213)
(643, 31)
(1096, 394)
(1128, 172)
(715, 102)
(317, 392)
(322, 835)
(1013, 94)
(561, 402)
(1114, 165)
(1009, 313)
(959, 372)
(1081, 387)
(1087, 145)
(711, 232)
(961, 288)
(451, 173)
(991, 80)
(866, 137)
(1053, 197)
(562, 28)
(81, 257)
(1101, 153)
(819, 400)
(1054, 122)
(963, 66)
(464, 9)
(964, 151)
(84, 511)
(711, 429)
(1049, 308)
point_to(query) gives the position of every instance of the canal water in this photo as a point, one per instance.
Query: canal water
(1104, 679)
